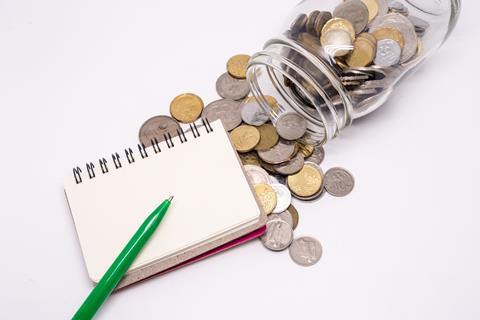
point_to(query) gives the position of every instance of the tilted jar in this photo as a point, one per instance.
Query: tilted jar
(304, 77)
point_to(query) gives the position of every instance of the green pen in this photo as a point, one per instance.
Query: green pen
(121, 264)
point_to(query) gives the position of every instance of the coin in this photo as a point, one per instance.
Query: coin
(245, 138)
(389, 33)
(253, 114)
(281, 152)
(278, 178)
(290, 167)
(320, 21)
(306, 182)
(299, 24)
(267, 166)
(256, 175)
(278, 236)
(336, 43)
(228, 111)
(294, 213)
(310, 26)
(362, 53)
(388, 53)
(420, 25)
(186, 107)
(372, 7)
(284, 197)
(250, 158)
(268, 137)
(338, 182)
(267, 197)
(398, 7)
(229, 87)
(400, 22)
(339, 23)
(237, 66)
(157, 127)
(305, 149)
(305, 251)
(291, 126)
(284, 215)
(354, 11)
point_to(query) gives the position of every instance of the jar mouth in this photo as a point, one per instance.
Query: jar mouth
(299, 81)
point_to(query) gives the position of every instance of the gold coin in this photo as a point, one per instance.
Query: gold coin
(237, 66)
(372, 7)
(250, 158)
(267, 197)
(389, 33)
(369, 37)
(306, 182)
(294, 213)
(272, 102)
(362, 54)
(306, 149)
(245, 138)
(339, 23)
(186, 107)
(268, 137)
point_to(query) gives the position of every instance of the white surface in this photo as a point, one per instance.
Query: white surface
(78, 78)
(109, 209)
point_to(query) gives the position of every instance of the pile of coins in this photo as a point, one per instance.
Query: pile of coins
(276, 160)
(361, 32)
(367, 43)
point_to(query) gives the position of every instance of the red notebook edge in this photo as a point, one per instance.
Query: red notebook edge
(232, 244)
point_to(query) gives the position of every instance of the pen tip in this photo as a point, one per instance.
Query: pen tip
(170, 199)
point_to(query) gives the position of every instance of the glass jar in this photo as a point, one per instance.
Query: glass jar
(337, 61)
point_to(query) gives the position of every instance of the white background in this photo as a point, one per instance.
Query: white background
(78, 78)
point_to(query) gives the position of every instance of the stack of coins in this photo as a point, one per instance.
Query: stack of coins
(367, 42)
(359, 33)
(277, 162)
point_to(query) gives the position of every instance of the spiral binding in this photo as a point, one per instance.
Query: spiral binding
(103, 165)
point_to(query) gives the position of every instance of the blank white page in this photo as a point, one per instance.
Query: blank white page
(212, 196)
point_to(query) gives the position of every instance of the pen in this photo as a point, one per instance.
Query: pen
(121, 264)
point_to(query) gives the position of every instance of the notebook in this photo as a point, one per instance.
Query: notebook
(214, 202)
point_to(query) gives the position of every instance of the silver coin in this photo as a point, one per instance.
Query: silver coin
(280, 152)
(398, 7)
(388, 53)
(278, 236)
(299, 24)
(320, 21)
(228, 111)
(401, 23)
(305, 251)
(285, 216)
(157, 127)
(231, 88)
(278, 178)
(354, 11)
(291, 166)
(337, 42)
(253, 114)
(338, 182)
(420, 25)
(317, 156)
(284, 197)
(291, 126)
(310, 26)
(256, 174)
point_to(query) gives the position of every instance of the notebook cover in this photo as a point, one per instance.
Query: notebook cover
(205, 249)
